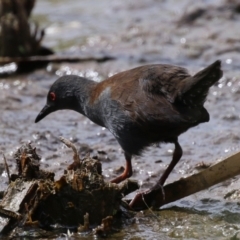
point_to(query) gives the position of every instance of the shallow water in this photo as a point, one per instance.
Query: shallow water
(136, 33)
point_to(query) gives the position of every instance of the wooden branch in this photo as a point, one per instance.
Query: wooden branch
(54, 58)
(228, 168)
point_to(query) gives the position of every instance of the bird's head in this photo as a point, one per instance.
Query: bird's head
(62, 95)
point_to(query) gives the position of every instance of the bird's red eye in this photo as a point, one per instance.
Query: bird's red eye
(52, 96)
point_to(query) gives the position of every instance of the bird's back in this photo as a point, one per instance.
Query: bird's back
(147, 104)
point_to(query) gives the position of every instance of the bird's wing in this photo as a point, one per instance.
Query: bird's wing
(162, 80)
(146, 93)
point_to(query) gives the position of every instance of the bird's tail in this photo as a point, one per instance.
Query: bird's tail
(194, 90)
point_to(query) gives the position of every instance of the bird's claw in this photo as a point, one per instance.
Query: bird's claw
(139, 203)
(148, 199)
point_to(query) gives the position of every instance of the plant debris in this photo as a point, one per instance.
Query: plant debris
(18, 36)
(79, 199)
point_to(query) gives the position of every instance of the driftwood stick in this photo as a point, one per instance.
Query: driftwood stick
(228, 168)
(54, 58)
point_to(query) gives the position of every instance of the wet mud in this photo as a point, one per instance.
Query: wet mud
(183, 33)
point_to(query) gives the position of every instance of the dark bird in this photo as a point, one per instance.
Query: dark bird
(142, 106)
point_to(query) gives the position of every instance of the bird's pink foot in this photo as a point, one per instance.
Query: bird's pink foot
(148, 199)
(127, 173)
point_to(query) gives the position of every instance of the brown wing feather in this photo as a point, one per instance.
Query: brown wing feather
(163, 80)
(157, 79)
(146, 93)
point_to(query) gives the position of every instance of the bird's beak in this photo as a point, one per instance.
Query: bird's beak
(45, 111)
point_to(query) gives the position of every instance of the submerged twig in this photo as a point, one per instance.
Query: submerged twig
(105, 227)
(85, 227)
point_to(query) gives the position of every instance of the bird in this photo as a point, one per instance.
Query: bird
(146, 105)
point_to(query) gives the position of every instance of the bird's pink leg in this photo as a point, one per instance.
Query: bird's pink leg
(155, 195)
(127, 171)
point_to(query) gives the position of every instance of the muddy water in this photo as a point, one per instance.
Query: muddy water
(136, 33)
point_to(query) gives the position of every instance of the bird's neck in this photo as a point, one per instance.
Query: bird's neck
(85, 107)
(82, 94)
